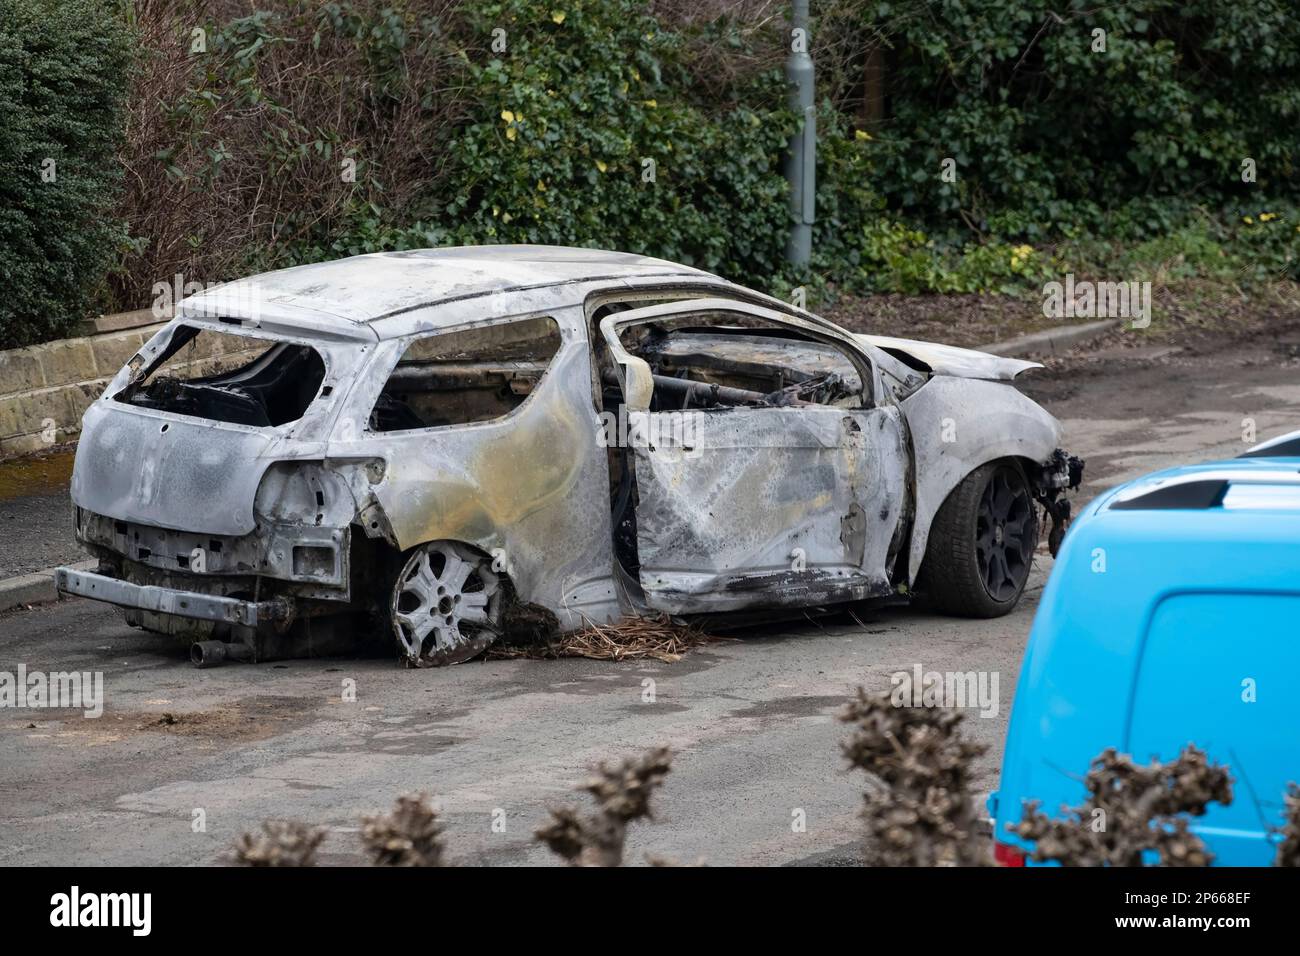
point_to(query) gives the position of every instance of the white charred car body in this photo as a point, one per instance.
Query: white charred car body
(456, 443)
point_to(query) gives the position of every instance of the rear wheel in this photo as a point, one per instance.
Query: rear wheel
(446, 605)
(982, 543)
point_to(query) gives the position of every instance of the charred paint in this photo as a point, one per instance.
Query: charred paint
(794, 504)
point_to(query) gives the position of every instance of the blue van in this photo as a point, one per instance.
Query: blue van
(1172, 616)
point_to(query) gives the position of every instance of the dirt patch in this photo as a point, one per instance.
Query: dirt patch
(966, 320)
(1173, 380)
(36, 513)
(43, 473)
(254, 718)
(1185, 313)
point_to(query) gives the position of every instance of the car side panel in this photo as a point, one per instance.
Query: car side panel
(530, 489)
(1156, 630)
(958, 424)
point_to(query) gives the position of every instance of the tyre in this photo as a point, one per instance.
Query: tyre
(981, 543)
(446, 605)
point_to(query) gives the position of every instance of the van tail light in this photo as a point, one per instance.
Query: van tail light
(1004, 855)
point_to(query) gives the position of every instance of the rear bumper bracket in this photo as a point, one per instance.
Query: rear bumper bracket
(187, 604)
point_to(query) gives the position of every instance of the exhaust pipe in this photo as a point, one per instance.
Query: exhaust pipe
(212, 653)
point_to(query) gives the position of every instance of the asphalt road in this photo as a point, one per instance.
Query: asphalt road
(752, 721)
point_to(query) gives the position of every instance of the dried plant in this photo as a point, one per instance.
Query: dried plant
(658, 638)
(622, 795)
(1288, 851)
(919, 812)
(286, 843)
(235, 151)
(1132, 812)
(729, 43)
(409, 836)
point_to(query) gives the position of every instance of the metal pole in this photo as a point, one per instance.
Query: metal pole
(801, 159)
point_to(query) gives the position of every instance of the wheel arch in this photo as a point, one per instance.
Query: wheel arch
(959, 425)
(495, 557)
(521, 617)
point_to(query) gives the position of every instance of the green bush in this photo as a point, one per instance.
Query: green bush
(1049, 134)
(62, 64)
(654, 128)
(1244, 246)
(583, 132)
(861, 245)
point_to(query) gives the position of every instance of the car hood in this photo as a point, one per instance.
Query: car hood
(949, 359)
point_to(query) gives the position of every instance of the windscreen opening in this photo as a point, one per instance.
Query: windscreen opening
(233, 378)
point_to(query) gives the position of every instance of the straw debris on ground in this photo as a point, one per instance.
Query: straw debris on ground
(659, 638)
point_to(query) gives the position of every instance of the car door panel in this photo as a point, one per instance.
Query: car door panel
(772, 506)
(760, 506)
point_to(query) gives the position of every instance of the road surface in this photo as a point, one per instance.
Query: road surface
(752, 721)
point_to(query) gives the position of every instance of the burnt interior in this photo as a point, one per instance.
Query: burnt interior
(270, 383)
(461, 377)
(719, 366)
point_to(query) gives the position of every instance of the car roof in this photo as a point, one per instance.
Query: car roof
(1252, 470)
(365, 289)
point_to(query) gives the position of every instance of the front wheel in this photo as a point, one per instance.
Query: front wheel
(982, 543)
(446, 605)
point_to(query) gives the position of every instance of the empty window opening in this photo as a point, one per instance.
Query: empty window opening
(749, 365)
(230, 378)
(472, 375)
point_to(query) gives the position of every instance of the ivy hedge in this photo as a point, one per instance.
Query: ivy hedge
(586, 131)
(1015, 138)
(62, 64)
(1060, 116)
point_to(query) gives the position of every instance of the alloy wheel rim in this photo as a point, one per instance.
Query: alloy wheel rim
(446, 606)
(1004, 542)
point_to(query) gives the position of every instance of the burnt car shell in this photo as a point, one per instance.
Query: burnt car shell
(223, 513)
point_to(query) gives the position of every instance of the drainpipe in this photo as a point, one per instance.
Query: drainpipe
(801, 159)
